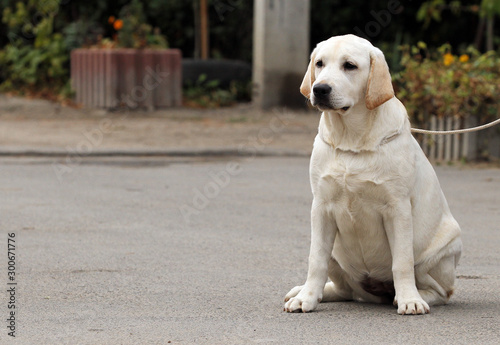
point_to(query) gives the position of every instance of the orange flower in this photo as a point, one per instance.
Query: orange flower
(118, 24)
(463, 58)
(111, 19)
(448, 59)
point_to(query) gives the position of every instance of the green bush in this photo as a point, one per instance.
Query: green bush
(36, 59)
(440, 83)
(208, 93)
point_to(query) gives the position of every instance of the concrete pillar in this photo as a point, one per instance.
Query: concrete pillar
(280, 51)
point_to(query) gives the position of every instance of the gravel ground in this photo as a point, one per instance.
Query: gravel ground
(45, 126)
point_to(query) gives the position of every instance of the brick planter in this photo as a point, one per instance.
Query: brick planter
(109, 78)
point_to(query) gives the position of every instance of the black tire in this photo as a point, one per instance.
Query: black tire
(224, 71)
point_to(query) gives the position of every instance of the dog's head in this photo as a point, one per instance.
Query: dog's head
(345, 71)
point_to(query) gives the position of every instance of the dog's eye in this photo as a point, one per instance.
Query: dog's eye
(348, 66)
(319, 63)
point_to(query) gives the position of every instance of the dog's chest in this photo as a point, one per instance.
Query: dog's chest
(352, 179)
(356, 194)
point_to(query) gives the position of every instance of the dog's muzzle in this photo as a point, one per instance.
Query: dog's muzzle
(322, 97)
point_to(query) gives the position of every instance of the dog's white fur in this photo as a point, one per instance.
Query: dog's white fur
(379, 216)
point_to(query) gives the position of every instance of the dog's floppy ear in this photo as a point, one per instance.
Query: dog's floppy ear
(305, 87)
(379, 87)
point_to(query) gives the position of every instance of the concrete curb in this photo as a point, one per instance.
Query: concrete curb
(209, 152)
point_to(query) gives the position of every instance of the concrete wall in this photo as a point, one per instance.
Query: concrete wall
(280, 51)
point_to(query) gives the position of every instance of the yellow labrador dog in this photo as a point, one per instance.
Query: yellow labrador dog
(381, 227)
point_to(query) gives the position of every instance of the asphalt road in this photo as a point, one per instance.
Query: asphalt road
(202, 251)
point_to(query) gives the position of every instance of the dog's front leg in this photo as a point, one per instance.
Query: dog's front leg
(323, 231)
(399, 228)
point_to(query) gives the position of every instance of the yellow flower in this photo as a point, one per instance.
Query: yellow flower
(118, 24)
(448, 59)
(463, 58)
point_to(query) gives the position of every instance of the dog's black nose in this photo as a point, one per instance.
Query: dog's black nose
(321, 90)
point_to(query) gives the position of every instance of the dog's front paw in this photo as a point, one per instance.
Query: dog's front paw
(293, 292)
(411, 306)
(301, 300)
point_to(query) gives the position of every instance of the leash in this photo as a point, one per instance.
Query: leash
(457, 131)
(425, 131)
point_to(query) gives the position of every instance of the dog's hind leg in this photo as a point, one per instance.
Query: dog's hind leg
(436, 285)
(338, 289)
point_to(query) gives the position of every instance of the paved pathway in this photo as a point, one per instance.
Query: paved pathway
(203, 250)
